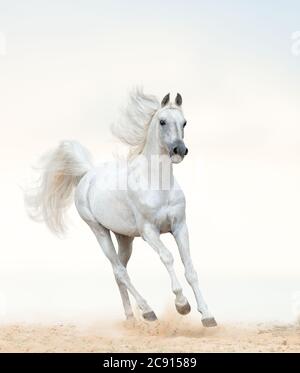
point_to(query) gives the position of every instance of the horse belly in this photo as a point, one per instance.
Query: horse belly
(110, 206)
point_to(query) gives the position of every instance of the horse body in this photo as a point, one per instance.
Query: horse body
(133, 207)
(131, 198)
(95, 195)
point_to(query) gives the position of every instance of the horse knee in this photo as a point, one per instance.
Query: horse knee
(121, 275)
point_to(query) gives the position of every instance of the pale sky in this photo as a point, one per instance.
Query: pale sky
(67, 70)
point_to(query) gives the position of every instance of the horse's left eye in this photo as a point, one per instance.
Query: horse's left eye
(162, 122)
(184, 124)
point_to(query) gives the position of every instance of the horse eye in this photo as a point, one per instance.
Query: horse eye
(184, 124)
(162, 122)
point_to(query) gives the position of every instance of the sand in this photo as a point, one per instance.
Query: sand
(171, 334)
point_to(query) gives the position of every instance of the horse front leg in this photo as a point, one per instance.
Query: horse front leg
(181, 236)
(124, 254)
(151, 236)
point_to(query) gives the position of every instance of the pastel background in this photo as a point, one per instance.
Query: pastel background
(66, 69)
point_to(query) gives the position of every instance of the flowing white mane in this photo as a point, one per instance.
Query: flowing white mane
(132, 127)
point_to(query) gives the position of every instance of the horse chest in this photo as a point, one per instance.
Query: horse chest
(164, 218)
(160, 208)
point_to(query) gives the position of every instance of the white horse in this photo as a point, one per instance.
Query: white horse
(135, 209)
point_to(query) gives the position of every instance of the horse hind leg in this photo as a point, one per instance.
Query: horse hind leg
(104, 239)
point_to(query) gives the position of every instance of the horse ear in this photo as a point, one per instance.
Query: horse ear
(178, 99)
(165, 100)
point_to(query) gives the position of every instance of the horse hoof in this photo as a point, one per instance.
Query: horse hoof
(149, 316)
(183, 309)
(209, 322)
(130, 317)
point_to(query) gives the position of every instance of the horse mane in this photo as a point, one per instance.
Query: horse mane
(132, 127)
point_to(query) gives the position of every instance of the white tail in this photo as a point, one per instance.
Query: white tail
(61, 171)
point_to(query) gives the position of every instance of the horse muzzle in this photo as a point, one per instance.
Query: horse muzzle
(178, 151)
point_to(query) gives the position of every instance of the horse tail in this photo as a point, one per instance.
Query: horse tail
(60, 173)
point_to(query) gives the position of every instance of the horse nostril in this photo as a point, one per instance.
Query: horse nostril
(175, 150)
(186, 151)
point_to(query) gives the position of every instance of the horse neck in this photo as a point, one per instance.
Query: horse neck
(154, 152)
(152, 145)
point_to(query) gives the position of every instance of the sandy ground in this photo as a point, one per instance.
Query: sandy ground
(172, 334)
